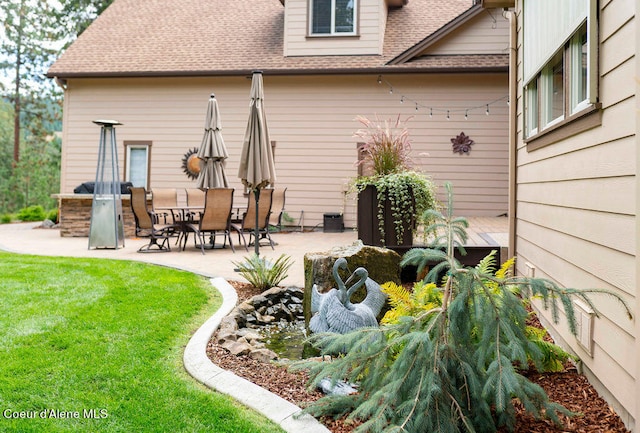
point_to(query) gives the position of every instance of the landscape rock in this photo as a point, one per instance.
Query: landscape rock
(238, 348)
(263, 355)
(239, 331)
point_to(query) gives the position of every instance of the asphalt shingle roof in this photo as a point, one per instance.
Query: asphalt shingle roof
(222, 37)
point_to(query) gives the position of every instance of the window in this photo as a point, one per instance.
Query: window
(552, 96)
(560, 63)
(136, 163)
(333, 17)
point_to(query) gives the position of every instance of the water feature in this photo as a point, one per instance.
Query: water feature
(288, 340)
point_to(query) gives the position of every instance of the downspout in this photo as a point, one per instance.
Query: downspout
(513, 131)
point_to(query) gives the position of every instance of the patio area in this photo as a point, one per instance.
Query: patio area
(26, 238)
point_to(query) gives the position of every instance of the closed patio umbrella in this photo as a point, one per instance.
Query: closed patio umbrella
(257, 169)
(212, 152)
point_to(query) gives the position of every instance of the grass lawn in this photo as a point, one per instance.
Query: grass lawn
(96, 346)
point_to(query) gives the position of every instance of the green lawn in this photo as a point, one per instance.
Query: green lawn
(96, 346)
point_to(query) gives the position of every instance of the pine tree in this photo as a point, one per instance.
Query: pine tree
(452, 368)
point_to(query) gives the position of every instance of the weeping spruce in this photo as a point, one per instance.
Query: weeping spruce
(453, 368)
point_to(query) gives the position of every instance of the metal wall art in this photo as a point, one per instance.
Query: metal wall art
(462, 144)
(191, 163)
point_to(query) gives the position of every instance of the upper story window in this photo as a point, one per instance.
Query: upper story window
(333, 17)
(560, 63)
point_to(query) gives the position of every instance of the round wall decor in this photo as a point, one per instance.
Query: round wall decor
(191, 163)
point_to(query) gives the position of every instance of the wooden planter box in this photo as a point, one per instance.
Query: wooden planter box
(368, 224)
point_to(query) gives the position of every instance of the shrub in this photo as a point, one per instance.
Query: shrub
(6, 218)
(453, 367)
(52, 215)
(387, 149)
(32, 213)
(263, 273)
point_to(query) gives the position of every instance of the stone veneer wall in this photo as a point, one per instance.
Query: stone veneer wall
(74, 212)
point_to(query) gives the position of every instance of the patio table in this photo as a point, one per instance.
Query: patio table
(182, 217)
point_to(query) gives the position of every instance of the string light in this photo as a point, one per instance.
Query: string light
(448, 111)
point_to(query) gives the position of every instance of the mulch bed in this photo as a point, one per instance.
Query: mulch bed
(568, 388)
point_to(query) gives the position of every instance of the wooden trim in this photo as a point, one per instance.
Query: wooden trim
(575, 124)
(490, 4)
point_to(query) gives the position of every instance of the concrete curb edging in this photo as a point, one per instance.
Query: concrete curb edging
(199, 366)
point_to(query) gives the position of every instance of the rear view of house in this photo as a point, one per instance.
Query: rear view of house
(152, 64)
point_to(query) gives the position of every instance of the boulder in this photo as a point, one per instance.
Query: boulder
(382, 264)
(238, 348)
(263, 355)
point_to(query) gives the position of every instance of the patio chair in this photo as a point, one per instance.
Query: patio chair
(248, 223)
(277, 207)
(164, 198)
(216, 218)
(195, 198)
(146, 225)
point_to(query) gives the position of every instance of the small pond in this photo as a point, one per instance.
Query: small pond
(287, 339)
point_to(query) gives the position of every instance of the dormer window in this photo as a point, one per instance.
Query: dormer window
(333, 17)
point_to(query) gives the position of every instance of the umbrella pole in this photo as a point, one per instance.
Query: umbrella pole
(257, 231)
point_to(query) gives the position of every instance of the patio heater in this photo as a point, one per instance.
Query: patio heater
(107, 227)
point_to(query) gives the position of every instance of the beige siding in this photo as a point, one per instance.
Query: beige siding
(370, 32)
(577, 210)
(487, 33)
(312, 120)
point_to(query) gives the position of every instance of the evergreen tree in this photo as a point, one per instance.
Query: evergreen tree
(454, 367)
(27, 49)
(76, 15)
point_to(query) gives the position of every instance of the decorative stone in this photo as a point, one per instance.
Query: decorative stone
(238, 331)
(246, 308)
(249, 334)
(263, 355)
(238, 348)
(224, 337)
(264, 319)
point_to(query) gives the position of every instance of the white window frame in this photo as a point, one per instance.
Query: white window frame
(546, 93)
(129, 146)
(573, 103)
(577, 52)
(548, 31)
(333, 31)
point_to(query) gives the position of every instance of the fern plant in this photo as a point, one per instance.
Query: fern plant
(262, 273)
(451, 368)
(403, 302)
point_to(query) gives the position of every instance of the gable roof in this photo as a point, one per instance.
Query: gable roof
(219, 37)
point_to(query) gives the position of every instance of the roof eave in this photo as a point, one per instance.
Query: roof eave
(402, 69)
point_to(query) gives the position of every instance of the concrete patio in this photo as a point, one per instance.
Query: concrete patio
(27, 238)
